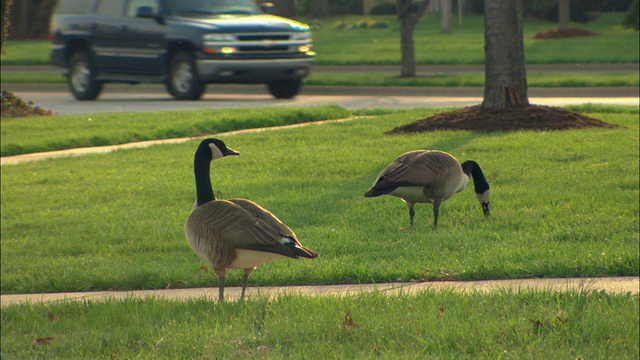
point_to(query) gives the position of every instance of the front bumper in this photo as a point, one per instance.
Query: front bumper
(252, 71)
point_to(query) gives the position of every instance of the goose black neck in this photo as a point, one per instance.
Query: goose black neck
(204, 191)
(472, 169)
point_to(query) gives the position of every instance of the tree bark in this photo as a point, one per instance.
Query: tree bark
(6, 10)
(505, 76)
(445, 15)
(563, 14)
(319, 9)
(284, 8)
(407, 25)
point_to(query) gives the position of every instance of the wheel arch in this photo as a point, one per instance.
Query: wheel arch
(175, 47)
(73, 46)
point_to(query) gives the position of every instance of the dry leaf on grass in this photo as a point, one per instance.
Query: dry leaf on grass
(42, 341)
(348, 323)
(52, 317)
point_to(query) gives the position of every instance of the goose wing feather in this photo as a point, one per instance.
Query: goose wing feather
(265, 217)
(293, 247)
(420, 167)
(222, 226)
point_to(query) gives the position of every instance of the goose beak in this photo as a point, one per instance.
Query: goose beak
(231, 152)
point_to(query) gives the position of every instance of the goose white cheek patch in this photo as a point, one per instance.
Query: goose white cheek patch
(215, 152)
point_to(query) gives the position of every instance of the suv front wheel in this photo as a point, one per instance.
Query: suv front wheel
(183, 82)
(82, 77)
(285, 89)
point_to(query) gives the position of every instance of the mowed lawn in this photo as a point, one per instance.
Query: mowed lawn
(465, 45)
(564, 203)
(429, 325)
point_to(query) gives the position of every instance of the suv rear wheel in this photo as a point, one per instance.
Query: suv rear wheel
(285, 89)
(183, 82)
(82, 77)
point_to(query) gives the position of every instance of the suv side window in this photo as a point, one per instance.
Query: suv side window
(110, 7)
(135, 4)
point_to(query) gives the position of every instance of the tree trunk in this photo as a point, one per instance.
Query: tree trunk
(30, 19)
(505, 76)
(284, 8)
(6, 9)
(563, 14)
(407, 25)
(319, 9)
(445, 15)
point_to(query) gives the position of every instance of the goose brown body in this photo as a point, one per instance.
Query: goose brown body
(217, 229)
(235, 233)
(428, 176)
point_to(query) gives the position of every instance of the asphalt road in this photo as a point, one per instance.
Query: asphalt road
(144, 97)
(123, 98)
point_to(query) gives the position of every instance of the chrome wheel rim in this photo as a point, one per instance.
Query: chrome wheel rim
(182, 77)
(80, 76)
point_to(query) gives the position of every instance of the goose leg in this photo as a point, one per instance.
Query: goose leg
(436, 212)
(245, 279)
(412, 213)
(222, 277)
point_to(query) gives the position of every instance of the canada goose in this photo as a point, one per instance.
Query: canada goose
(429, 176)
(236, 233)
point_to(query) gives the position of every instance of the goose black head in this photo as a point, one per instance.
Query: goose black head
(471, 168)
(214, 149)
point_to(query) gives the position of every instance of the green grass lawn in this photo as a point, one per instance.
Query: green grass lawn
(464, 46)
(66, 132)
(429, 325)
(564, 203)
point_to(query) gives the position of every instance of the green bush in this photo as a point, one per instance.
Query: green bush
(630, 19)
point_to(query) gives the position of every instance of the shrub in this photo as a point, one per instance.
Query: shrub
(630, 19)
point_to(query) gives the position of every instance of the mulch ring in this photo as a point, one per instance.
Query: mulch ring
(513, 118)
(562, 33)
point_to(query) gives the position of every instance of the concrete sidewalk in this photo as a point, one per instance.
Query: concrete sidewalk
(611, 285)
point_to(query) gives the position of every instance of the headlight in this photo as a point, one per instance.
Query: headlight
(302, 36)
(218, 38)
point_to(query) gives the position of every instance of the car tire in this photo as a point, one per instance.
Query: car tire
(285, 89)
(82, 77)
(183, 82)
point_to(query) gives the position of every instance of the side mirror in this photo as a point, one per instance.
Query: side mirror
(267, 7)
(148, 12)
(145, 12)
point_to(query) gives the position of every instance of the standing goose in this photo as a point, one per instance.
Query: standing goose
(429, 176)
(236, 233)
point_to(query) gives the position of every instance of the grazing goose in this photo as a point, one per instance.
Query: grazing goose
(236, 233)
(429, 176)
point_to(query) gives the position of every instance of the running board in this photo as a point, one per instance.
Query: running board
(131, 79)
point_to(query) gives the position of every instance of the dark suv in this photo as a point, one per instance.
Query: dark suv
(184, 44)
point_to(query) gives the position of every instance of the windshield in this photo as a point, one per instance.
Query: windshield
(210, 7)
